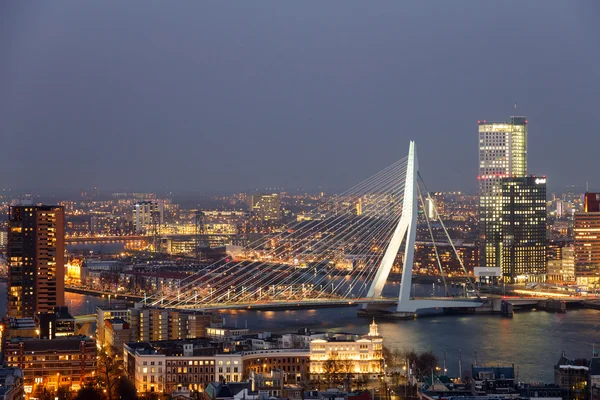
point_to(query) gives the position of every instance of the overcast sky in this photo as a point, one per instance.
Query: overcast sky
(224, 95)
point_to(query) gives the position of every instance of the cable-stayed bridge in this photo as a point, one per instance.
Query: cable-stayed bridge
(341, 253)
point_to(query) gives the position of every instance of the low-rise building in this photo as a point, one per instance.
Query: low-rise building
(116, 333)
(11, 384)
(571, 375)
(489, 379)
(226, 333)
(176, 367)
(179, 366)
(67, 361)
(594, 376)
(294, 363)
(300, 339)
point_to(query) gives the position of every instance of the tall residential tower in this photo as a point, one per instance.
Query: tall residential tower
(587, 241)
(502, 154)
(36, 260)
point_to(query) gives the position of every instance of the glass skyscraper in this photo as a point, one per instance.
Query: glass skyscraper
(522, 249)
(502, 154)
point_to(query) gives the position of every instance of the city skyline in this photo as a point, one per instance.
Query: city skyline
(199, 108)
(299, 200)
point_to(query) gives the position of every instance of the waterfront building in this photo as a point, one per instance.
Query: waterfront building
(425, 260)
(154, 323)
(587, 241)
(36, 259)
(502, 154)
(490, 379)
(562, 270)
(68, 361)
(348, 355)
(594, 376)
(522, 250)
(147, 214)
(266, 207)
(572, 376)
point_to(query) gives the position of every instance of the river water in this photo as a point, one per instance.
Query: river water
(532, 340)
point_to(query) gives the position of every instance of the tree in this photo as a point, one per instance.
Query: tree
(125, 389)
(427, 362)
(346, 366)
(90, 393)
(45, 394)
(423, 364)
(399, 363)
(109, 372)
(388, 357)
(63, 393)
(331, 367)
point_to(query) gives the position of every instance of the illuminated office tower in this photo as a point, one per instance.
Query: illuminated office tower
(587, 241)
(266, 207)
(523, 246)
(36, 260)
(502, 154)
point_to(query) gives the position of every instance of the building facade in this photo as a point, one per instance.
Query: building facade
(344, 356)
(587, 241)
(522, 250)
(68, 361)
(266, 207)
(153, 323)
(562, 270)
(294, 363)
(147, 214)
(184, 366)
(502, 153)
(36, 259)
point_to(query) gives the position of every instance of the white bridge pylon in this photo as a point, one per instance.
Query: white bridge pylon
(407, 227)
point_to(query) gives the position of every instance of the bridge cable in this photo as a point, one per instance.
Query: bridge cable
(448, 236)
(437, 256)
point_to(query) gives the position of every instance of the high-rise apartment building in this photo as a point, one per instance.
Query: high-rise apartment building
(36, 260)
(522, 250)
(266, 207)
(147, 214)
(502, 154)
(587, 241)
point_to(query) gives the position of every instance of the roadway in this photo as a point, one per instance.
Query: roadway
(97, 239)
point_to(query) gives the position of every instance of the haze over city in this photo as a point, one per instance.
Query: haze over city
(212, 96)
(292, 200)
